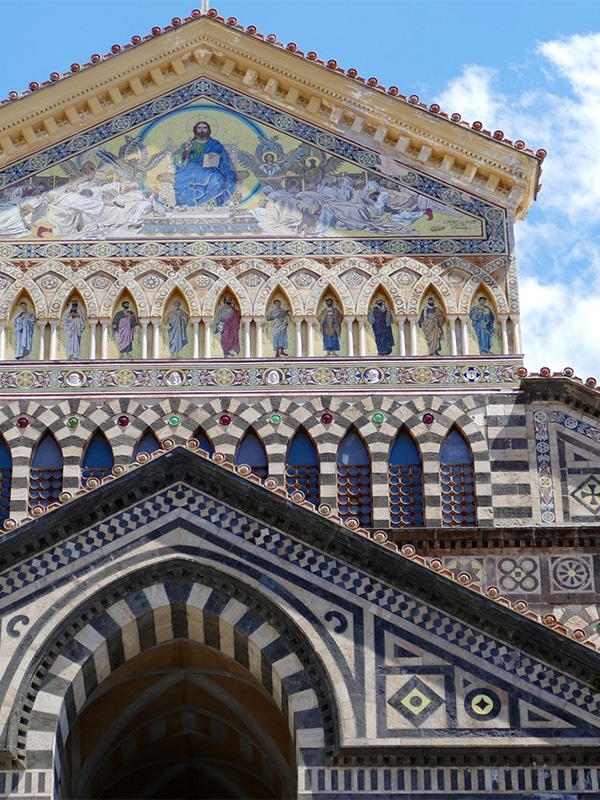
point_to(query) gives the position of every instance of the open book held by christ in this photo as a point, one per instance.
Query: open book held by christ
(211, 160)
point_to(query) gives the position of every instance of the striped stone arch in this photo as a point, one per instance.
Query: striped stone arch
(430, 437)
(154, 605)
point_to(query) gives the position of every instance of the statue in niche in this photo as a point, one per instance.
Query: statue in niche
(123, 327)
(431, 322)
(482, 320)
(381, 320)
(227, 327)
(177, 324)
(331, 319)
(24, 324)
(203, 170)
(74, 321)
(279, 319)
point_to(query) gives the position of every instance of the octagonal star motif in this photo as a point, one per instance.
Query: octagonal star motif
(415, 701)
(588, 494)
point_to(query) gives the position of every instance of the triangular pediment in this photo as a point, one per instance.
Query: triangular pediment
(365, 162)
(446, 661)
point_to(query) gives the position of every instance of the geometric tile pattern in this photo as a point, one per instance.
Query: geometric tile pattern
(416, 782)
(189, 377)
(416, 701)
(341, 577)
(588, 493)
(544, 467)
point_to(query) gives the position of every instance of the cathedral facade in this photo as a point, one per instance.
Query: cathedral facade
(283, 513)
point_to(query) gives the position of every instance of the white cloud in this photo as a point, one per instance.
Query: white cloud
(557, 246)
(558, 325)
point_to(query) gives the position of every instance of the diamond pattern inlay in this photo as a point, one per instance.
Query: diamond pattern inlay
(415, 701)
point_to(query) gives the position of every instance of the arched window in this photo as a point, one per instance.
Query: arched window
(46, 473)
(302, 467)
(250, 451)
(5, 480)
(147, 444)
(98, 459)
(205, 442)
(405, 482)
(457, 481)
(354, 480)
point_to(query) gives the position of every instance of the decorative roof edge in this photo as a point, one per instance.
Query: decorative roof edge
(379, 537)
(292, 47)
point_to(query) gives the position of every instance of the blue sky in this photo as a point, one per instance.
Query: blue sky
(528, 67)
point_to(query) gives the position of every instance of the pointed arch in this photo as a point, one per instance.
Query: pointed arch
(330, 317)
(380, 315)
(433, 322)
(5, 479)
(45, 473)
(176, 325)
(98, 459)
(73, 320)
(405, 482)
(354, 490)
(203, 441)
(278, 316)
(457, 477)
(23, 330)
(483, 322)
(251, 451)
(302, 471)
(147, 444)
(125, 325)
(228, 323)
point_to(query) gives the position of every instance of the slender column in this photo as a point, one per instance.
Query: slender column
(349, 325)
(362, 337)
(517, 334)
(464, 324)
(42, 350)
(310, 336)
(298, 323)
(413, 335)
(402, 336)
(144, 323)
(155, 338)
(53, 336)
(196, 337)
(504, 333)
(247, 322)
(259, 342)
(2, 342)
(453, 347)
(92, 323)
(104, 339)
(207, 336)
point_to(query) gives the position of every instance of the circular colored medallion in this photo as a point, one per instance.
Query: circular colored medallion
(73, 422)
(123, 421)
(174, 420)
(482, 704)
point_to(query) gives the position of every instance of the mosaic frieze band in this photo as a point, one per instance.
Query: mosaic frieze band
(199, 376)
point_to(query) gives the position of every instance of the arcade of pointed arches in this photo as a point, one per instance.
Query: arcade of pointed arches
(302, 473)
(199, 289)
